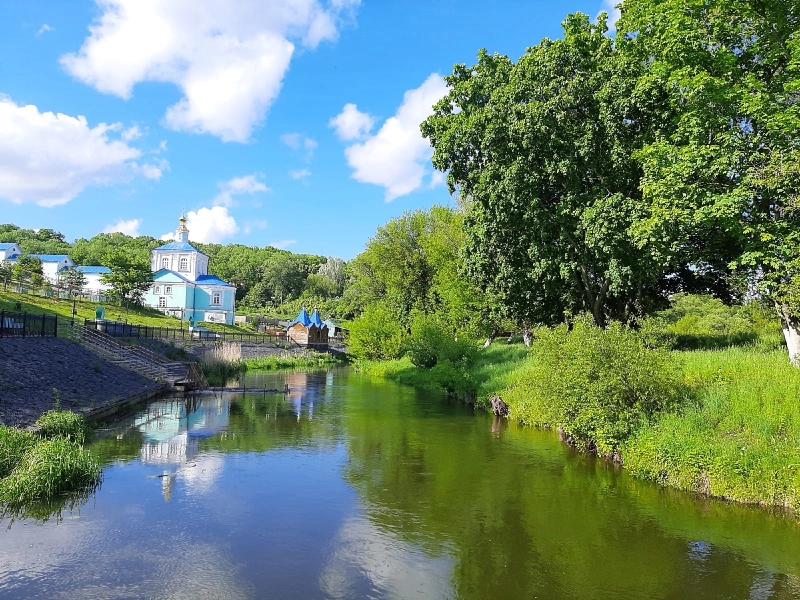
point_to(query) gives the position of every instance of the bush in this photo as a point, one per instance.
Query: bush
(376, 335)
(62, 424)
(51, 467)
(431, 342)
(598, 385)
(14, 443)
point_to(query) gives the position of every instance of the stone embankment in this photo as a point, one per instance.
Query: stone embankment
(37, 373)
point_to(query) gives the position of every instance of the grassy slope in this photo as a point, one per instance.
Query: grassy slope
(739, 439)
(38, 305)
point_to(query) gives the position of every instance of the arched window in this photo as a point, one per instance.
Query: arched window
(184, 264)
(165, 263)
(216, 298)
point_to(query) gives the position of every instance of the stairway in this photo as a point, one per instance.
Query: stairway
(140, 360)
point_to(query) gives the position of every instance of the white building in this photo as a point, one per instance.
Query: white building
(52, 264)
(9, 251)
(94, 281)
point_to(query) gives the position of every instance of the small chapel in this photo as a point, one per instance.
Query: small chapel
(182, 286)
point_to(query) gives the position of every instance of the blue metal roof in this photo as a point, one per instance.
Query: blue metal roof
(51, 257)
(92, 269)
(6, 245)
(315, 320)
(178, 246)
(302, 318)
(210, 280)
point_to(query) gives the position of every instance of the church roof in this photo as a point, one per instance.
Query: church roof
(210, 280)
(315, 319)
(185, 246)
(303, 318)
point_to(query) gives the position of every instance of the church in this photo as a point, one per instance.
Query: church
(182, 286)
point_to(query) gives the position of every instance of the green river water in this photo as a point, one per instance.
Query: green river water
(354, 488)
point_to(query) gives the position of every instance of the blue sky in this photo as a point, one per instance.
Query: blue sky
(284, 122)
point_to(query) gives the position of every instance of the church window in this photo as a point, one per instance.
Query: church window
(162, 302)
(165, 263)
(168, 290)
(216, 298)
(157, 289)
(184, 264)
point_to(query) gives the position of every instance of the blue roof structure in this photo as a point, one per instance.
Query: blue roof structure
(315, 320)
(178, 246)
(50, 257)
(6, 245)
(210, 280)
(302, 318)
(92, 269)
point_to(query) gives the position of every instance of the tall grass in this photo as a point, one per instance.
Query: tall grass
(739, 440)
(308, 360)
(223, 362)
(39, 467)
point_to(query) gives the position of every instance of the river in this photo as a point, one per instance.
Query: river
(356, 488)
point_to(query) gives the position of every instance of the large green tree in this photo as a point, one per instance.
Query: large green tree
(726, 158)
(129, 279)
(541, 150)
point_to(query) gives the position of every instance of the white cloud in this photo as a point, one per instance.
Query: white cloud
(609, 6)
(237, 186)
(300, 174)
(150, 170)
(298, 141)
(228, 57)
(208, 225)
(50, 158)
(396, 157)
(44, 29)
(132, 133)
(283, 244)
(129, 227)
(351, 123)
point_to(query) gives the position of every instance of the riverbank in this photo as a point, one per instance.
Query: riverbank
(38, 374)
(735, 435)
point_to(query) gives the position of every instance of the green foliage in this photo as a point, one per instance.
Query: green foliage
(14, 443)
(35, 241)
(376, 334)
(51, 467)
(296, 361)
(130, 276)
(431, 342)
(62, 424)
(598, 385)
(74, 279)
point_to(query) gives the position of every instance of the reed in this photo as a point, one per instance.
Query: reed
(63, 424)
(223, 362)
(14, 443)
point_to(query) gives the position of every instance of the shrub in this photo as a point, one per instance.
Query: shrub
(598, 385)
(51, 467)
(431, 342)
(62, 424)
(376, 335)
(14, 443)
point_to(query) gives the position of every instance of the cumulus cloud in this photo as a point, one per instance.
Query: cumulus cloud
(397, 156)
(351, 123)
(44, 29)
(132, 133)
(283, 244)
(208, 225)
(614, 13)
(49, 158)
(228, 57)
(248, 184)
(300, 142)
(300, 174)
(129, 227)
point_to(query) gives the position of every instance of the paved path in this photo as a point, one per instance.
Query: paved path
(31, 368)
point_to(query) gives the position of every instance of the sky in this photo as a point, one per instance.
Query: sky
(292, 123)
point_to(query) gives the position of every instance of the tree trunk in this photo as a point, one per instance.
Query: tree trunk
(791, 332)
(490, 339)
(527, 336)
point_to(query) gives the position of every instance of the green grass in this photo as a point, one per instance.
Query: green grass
(137, 315)
(300, 361)
(35, 468)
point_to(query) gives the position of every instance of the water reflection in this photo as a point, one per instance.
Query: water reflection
(351, 488)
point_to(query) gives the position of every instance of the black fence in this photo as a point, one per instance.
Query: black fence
(146, 332)
(21, 324)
